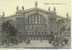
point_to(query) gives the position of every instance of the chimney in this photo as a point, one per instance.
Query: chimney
(49, 9)
(17, 8)
(22, 7)
(54, 9)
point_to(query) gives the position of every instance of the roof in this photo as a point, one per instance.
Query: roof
(33, 9)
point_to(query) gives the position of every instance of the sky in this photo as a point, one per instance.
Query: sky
(9, 6)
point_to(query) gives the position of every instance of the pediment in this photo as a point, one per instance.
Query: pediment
(33, 11)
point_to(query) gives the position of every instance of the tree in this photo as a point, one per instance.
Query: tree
(60, 39)
(10, 31)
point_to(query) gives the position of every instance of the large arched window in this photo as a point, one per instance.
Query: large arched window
(34, 19)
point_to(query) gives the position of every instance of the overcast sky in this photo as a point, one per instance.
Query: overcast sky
(9, 6)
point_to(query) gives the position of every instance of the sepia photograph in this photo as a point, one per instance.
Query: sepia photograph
(35, 24)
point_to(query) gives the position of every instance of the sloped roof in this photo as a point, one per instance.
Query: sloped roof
(32, 9)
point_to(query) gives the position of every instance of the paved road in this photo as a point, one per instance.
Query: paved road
(33, 44)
